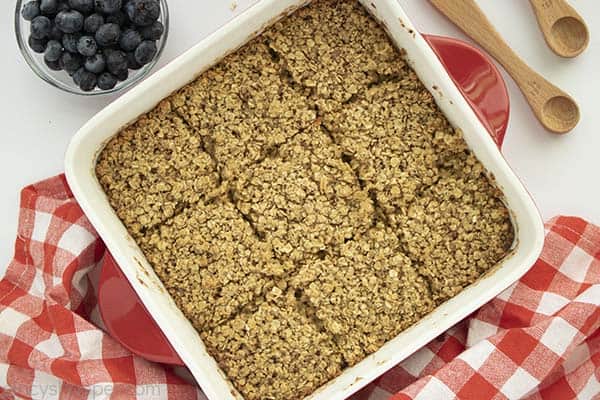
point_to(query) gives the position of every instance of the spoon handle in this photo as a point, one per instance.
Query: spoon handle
(467, 15)
(568, 38)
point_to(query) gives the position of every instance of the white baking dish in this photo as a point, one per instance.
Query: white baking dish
(89, 141)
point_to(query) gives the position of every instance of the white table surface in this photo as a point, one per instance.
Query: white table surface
(561, 172)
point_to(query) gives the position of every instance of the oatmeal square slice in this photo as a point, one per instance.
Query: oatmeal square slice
(276, 352)
(154, 168)
(304, 199)
(456, 230)
(366, 295)
(243, 107)
(396, 139)
(211, 262)
(335, 49)
(246, 84)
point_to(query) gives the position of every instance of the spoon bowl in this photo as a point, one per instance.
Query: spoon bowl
(570, 36)
(564, 29)
(560, 114)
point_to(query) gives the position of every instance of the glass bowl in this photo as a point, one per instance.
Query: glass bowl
(61, 79)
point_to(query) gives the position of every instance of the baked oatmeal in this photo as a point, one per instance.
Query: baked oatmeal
(194, 252)
(366, 294)
(156, 168)
(305, 200)
(243, 109)
(389, 135)
(276, 351)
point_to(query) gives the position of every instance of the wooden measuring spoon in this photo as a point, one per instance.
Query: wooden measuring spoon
(555, 109)
(564, 30)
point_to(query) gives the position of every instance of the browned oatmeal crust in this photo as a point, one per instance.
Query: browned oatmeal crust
(335, 49)
(243, 108)
(366, 294)
(247, 346)
(155, 168)
(395, 137)
(305, 200)
(455, 232)
(211, 262)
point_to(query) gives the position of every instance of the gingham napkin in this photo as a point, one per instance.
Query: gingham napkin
(540, 339)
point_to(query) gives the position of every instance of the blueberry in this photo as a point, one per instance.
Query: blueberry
(71, 62)
(63, 6)
(70, 41)
(131, 62)
(41, 27)
(152, 32)
(87, 46)
(77, 75)
(69, 21)
(92, 23)
(122, 75)
(145, 52)
(108, 34)
(53, 50)
(37, 45)
(30, 10)
(130, 40)
(49, 7)
(129, 8)
(107, 81)
(53, 65)
(108, 6)
(84, 79)
(55, 33)
(116, 61)
(95, 63)
(119, 18)
(83, 6)
(143, 12)
(87, 81)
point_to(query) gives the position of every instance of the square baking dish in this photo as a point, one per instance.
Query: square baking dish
(90, 139)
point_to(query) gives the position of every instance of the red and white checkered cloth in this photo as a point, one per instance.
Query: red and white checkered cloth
(540, 339)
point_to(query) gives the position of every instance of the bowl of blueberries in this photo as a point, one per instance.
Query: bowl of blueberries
(91, 47)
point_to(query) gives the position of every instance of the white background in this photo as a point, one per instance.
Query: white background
(561, 172)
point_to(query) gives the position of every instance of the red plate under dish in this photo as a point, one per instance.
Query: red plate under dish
(480, 83)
